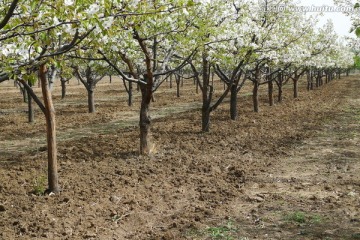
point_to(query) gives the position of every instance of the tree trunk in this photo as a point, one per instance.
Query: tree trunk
(63, 89)
(280, 92)
(51, 132)
(30, 108)
(271, 91)
(130, 94)
(256, 97)
(308, 77)
(206, 95)
(317, 81)
(233, 102)
(145, 121)
(91, 101)
(144, 128)
(171, 76)
(23, 92)
(197, 87)
(212, 78)
(295, 81)
(205, 117)
(280, 85)
(177, 78)
(326, 78)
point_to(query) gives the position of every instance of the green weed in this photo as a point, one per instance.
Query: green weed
(39, 186)
(301, 217)
(222, 232)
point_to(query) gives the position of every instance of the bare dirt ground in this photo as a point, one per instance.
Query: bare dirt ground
(291, 171)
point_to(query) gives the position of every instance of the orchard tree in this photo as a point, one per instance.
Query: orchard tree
(65, 74)
(276, 34)
(142, 49)
(33, 37)
(90, 73)
(213, 31)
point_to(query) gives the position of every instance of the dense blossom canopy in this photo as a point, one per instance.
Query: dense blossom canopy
(227, 29)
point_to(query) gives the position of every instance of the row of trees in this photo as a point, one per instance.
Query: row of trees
(147, 41)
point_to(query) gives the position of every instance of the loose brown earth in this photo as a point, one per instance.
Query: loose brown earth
(288, 172)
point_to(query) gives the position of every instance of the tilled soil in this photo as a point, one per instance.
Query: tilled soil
(288, 172)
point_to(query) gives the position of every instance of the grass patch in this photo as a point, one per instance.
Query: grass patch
(303, 218)
(355, 236)
(222, 232)
(39, 186)
(226, 231)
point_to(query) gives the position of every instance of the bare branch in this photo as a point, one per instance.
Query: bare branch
(33, 95)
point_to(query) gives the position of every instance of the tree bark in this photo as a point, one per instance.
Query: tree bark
(271, 91)
(233, 102)
(308, 77)
(30, 108)
(280, 85)
(205, 117)
(317, 80)
(130, 94)
(145, 120)
(63, 89)
(91, 101)
(280, 91)
(197, 87)
(51, 132)
(206, 95)
(171, 76)
(256, 97)
(178, 89)
(23, 92)
(295, 81)
(178, 79)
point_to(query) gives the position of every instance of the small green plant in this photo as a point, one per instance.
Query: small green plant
(194, 233)
(301, 217)
(316, 219)
(222, 232)
(39, 185)
(298, 217)
(355, 236)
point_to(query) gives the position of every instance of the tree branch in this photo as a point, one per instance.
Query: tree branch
(33, 95)
(9, 14)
